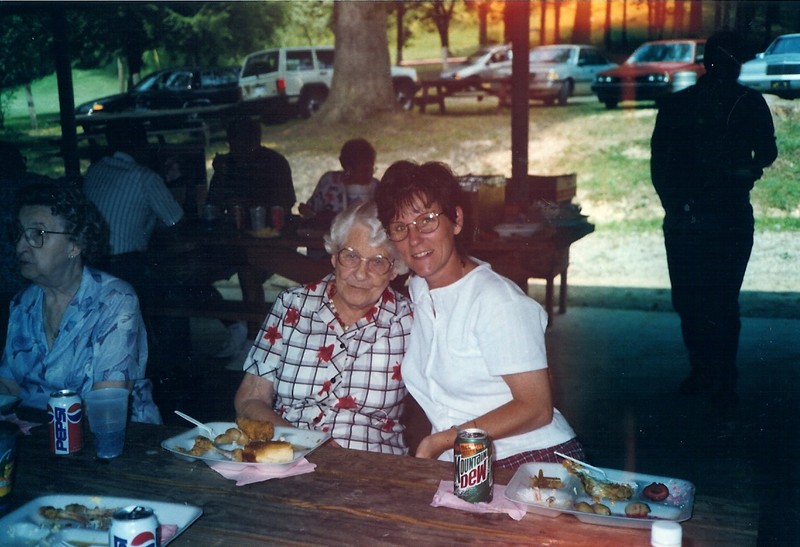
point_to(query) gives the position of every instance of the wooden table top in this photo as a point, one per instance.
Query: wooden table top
(352, 497)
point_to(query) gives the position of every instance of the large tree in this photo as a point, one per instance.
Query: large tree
(26, 53)
(362, 83)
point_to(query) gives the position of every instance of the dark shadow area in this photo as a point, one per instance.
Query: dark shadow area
(783, 305)
(615, 374)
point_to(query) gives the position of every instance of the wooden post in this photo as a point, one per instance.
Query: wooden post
(66, 97)
(520, 110)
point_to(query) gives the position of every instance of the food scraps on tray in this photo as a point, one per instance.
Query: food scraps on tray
(599, 488)
(96, 518)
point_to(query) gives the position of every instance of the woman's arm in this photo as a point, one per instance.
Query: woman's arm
(531, 407)
(254, 399)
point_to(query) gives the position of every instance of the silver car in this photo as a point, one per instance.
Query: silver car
(483, 64)
(777, 70)
(561, 71)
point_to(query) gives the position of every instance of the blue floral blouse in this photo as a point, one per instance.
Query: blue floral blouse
(102, 338)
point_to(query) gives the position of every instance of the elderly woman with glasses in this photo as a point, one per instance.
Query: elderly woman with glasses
(328, 356)
(73, 327)
(477, 357)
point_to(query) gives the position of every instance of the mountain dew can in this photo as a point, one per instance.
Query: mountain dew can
(473, 480)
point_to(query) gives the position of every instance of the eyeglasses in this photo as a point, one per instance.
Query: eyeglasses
(34, 236)
(425, 224)
(378, 264)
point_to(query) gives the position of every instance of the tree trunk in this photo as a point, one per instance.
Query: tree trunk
(362, 84)
(543, 24)
(696, 19)
(607, 27)
(121, 74)
(557, 23)
(401, 30)
(677, 21)
(483, 15)
(31, 107)
(624, 24)
(582, 29)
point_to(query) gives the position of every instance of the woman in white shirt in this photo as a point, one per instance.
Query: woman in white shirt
(477, 357)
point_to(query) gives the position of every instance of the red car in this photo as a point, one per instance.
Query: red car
(655, 69)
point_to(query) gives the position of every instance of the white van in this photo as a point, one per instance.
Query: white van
(300, 78)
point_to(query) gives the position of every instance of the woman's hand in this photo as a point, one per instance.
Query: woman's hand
(435, 445)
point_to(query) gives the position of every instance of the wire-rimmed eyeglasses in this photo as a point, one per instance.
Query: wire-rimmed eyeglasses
(425, 224)
(34, 236)
(378, 264)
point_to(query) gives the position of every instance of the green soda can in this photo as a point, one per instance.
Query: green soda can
(472, 457)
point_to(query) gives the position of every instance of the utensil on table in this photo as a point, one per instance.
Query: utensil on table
(198, 423)
(584, 464)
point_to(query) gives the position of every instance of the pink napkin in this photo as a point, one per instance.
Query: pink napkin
(167, 532)
(444, 497)
(248, 474)
(24, 427)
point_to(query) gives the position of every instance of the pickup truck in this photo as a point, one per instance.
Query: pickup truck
(300, 78)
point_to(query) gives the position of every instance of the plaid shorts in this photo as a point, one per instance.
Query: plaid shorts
(572, 447)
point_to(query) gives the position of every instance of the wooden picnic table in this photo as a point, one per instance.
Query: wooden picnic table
(352, 497)
(436, 91)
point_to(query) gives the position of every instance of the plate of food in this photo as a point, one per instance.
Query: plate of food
(246, 442)
(631, 500)
(517, 229)
(78, 520)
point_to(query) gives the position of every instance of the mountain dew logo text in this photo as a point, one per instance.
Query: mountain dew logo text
(473, 470)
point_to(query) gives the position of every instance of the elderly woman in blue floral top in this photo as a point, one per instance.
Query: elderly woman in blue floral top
(328, 356)
(74, 327)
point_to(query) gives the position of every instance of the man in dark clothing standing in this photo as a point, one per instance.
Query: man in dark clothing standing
(710, 144)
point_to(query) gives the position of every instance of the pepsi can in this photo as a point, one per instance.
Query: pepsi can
(134, 526)
(65, 421)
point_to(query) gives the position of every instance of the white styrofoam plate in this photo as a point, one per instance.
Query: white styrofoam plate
(518, 230)
(554, 502)
(25, 526)
(303, 442)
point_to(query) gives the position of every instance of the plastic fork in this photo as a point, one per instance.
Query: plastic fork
(584, 464)
(198, 423)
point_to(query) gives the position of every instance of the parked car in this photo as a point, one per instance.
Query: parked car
(482, 64)
(777, 70)
(655, 69)
(559, 72)
(172, 88)
(300, 78)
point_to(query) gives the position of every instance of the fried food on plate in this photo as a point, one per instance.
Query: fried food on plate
(268, 452)
(232, 436)
(96, 518)
(201, 446)
(540, 481)
(256, 430)
(599, 488)
(637, 509)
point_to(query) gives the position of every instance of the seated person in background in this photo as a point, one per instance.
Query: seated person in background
(74, 327)
(250, 175)
(328, 355)
(477, 357)
(132, 197)
(137, 205)
(337, 190)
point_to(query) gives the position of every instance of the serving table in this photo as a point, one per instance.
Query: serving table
(352, 497)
